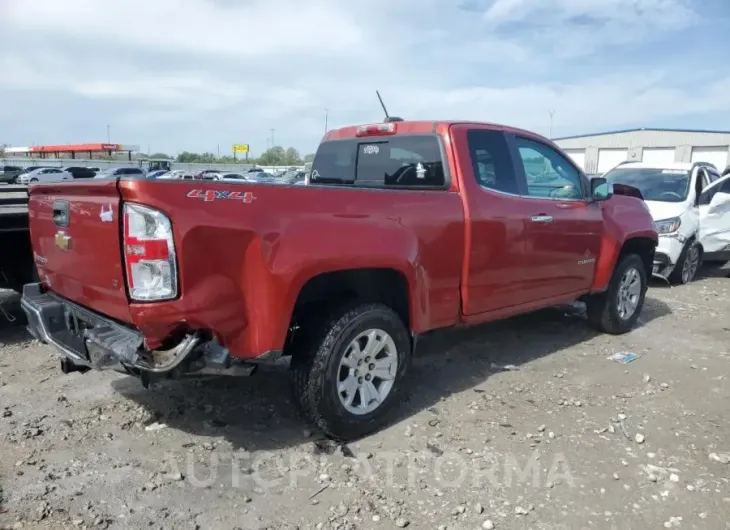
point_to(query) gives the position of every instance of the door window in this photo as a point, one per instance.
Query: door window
(722, 186)
(549, 174)
(491, 161)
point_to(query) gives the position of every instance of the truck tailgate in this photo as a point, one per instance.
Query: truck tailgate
(75, 229)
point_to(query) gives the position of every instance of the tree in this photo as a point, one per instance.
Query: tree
(308, 158)
(160, 155)
(276, 156)
(186, 157)
(291, 157)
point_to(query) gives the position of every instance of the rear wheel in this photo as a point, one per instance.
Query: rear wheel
(617, 309)
(34, 180)
(688, 264)
(350, 373)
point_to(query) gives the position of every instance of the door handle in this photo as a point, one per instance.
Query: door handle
(542, 218)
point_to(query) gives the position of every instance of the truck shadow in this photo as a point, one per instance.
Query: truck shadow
(257, 413)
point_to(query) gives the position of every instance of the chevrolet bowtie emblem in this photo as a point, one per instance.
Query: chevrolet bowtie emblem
(63, 241)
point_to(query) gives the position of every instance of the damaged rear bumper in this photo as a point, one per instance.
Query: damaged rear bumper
(87, 339)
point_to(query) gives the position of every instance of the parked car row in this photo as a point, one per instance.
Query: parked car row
(28, 174)
(252, 175)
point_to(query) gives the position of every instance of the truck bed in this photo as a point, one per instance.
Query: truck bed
(16, 255)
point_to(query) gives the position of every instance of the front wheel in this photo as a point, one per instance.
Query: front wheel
(617, 309)
(687, 265)
(351, 372)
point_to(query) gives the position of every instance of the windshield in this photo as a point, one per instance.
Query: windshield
(664, 185)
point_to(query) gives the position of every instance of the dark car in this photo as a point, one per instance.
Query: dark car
(9, 173)
(80, 172)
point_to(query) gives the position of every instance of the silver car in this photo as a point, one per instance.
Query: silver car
(44, 174)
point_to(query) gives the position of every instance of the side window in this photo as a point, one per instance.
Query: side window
(491, 160)
(549, 174)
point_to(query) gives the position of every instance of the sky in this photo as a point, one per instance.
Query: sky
(201, 75)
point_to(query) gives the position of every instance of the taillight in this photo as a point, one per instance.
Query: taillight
(376, 129)
(149, 254)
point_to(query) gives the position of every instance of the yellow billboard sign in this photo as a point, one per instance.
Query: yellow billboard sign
(240, 148)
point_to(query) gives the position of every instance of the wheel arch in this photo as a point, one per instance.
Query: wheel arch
(642, 246)
(326, 291)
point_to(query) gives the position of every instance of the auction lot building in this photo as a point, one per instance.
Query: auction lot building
(597, 153)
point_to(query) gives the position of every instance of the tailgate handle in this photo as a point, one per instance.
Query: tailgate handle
(60, 213)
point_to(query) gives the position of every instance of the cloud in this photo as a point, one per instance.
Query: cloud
(191, 74)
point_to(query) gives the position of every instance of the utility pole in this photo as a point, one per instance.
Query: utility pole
(552, 113)
(272, 137)
(326, 116)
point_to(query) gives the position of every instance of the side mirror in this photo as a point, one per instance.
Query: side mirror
(601, 189)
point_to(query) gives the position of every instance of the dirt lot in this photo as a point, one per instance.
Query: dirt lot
(565, 439)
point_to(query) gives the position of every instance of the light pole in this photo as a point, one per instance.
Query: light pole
(272, 137)
(108, 134)
(326, 116)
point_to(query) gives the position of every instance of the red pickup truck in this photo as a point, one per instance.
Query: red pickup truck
(403, 228)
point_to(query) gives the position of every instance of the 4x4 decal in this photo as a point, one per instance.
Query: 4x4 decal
(214, 195)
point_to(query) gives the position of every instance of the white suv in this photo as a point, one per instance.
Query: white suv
(674, 194)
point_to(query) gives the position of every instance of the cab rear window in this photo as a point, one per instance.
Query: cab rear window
(408, 161)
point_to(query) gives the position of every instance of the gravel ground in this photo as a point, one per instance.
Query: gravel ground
(514, 425)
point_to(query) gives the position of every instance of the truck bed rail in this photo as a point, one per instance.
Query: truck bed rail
(13, 208)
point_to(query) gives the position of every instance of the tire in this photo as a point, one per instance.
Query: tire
(316, 370)
(604, 308)
(34, 180)
(689, 262)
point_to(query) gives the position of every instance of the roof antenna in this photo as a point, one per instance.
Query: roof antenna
(388, 119)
